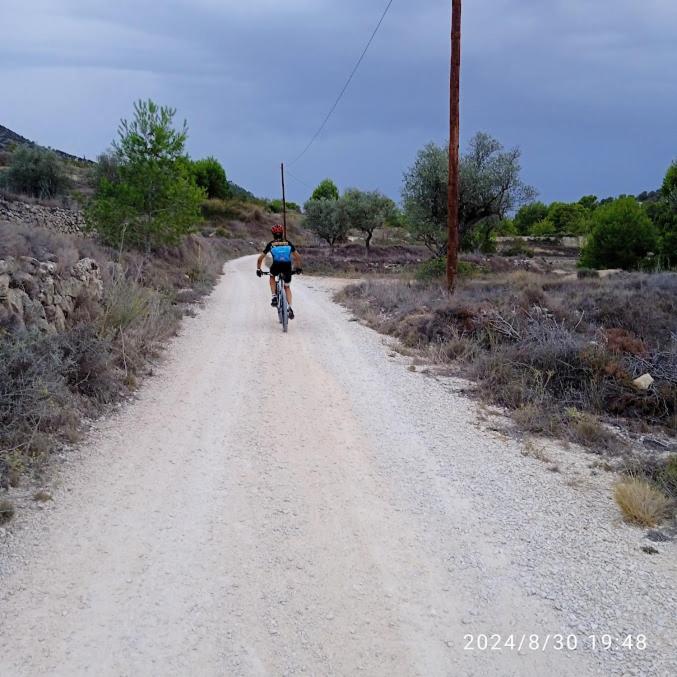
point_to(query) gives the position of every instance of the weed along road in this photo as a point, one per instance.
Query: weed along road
(277, 504)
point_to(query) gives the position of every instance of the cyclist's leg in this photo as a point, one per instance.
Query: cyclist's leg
(287, 283)
(273, 288)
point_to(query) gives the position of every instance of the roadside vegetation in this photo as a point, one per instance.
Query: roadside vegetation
(539, 323)
(159, 227)
(561, 355)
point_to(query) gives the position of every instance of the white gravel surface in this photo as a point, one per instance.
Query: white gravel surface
(304, 504)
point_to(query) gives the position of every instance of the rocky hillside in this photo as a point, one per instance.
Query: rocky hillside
(9, 139)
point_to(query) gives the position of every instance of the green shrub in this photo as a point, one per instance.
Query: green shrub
(663, 214)
(669, 188)
(622, 236)
(569, 219)
(506, 227)
(528, 216)
(37, 172)
(6, 511)
(327, 190)
(433, 269)
(518, 248)
(436, 268)
(543, 228)
(210, 175)
(155, 200)
(276, 207)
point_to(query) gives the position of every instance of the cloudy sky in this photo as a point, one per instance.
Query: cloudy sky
(586, 88)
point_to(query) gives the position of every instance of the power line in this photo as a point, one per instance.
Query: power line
(298, 180)
(345, 87)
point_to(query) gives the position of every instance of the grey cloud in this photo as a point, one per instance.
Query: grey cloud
(585, 88)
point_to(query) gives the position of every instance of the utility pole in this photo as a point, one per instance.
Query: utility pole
(284, 203)
(454, 142)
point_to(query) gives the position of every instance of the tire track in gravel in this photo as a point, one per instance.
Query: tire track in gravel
(301, 504)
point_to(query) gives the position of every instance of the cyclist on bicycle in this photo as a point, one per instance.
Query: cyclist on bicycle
(283, 252)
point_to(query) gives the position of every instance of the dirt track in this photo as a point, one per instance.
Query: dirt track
(303, 504)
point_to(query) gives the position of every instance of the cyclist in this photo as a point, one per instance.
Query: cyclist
(283, 252)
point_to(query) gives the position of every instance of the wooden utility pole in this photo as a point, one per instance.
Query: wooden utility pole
(284, 203)
(454, 141)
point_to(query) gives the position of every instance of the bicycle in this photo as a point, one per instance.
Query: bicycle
(282, 304)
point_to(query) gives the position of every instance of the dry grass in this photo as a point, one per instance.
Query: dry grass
(533, 451)
(354, 260)
(6, 511)
(48, 383)
(641, 502)
(559, 354)
(539, 343)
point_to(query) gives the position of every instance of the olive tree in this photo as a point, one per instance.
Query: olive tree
(37, 172)
(424, 197)
(365, 211)
(490, 188)
(322, 218)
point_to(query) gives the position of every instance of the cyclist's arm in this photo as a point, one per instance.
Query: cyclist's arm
(260, 261)
(297, 259)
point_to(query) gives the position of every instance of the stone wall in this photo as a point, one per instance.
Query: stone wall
(36, 295)
(60, 219)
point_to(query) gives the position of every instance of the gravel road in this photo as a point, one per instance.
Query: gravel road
(295, 504)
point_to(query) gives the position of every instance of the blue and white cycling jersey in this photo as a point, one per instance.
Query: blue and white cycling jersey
(281, 250)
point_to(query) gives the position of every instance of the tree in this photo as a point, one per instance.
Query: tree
(544, 228)
(661, 208)
(37, 172)
(155, 200)
(664, 218)
(589, 202)
(424, 197)
(322, 218)
(276, 206)
(327, 190)
(529, 215)
(107, 167)
(669, 188)
(622, 236)
(569, 219)
(490, 188)
(211, 176)
(365, 211)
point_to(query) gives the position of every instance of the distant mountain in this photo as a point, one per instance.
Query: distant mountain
(9, 139)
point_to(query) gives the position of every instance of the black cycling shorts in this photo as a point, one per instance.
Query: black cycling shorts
(282, 268)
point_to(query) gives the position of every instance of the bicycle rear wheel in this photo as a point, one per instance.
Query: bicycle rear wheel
(282, 305)
(285, 313)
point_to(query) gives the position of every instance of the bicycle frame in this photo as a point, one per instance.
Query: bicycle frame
(282, 303)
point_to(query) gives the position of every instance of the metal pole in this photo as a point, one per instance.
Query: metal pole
(284, 203)
(454, 141)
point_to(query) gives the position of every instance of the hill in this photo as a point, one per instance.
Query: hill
(10, 139)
